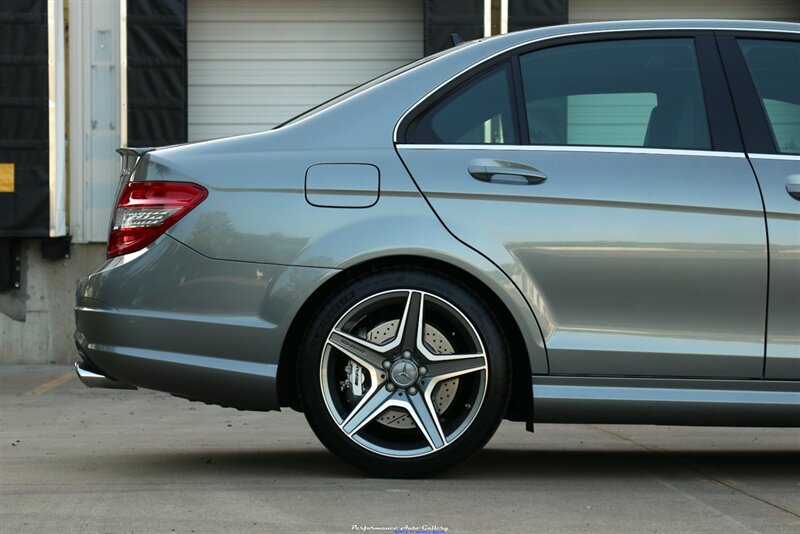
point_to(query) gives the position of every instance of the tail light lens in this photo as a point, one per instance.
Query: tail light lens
(146, 210)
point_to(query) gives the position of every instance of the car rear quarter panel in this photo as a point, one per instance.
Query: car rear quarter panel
(260, 216)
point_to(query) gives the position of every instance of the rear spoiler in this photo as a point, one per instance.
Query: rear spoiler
(134, 151)
(130, 157)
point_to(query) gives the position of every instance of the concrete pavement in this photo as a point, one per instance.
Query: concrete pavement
(80, 460)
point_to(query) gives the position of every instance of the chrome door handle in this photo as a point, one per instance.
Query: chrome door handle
(794, 190)
(504, 172)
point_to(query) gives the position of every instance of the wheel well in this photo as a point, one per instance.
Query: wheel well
(520, 406)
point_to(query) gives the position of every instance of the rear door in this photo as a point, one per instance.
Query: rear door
(613, 190)
(765, 77)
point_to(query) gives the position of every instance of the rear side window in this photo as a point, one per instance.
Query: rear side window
(775, 69)
(633, 92)
(478, 112)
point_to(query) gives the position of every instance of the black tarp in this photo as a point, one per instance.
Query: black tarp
(157, 86)
(526, 14)
(444, 17)
(465, 17)
(24, 119)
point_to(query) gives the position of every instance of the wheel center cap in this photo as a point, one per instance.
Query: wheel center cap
(404, 373)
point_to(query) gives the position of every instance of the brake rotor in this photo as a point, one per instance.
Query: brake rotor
(443, 393)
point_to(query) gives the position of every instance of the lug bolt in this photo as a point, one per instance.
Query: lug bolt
(412, 390)
(390, 387)
(406, 354)
(423, 371)
(387, 364)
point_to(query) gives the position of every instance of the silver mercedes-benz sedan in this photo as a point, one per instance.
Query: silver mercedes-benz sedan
(582, 223)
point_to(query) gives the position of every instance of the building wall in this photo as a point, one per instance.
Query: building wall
(598, 10)
(37, 321)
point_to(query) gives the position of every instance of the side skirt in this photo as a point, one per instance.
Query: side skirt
(658, 401)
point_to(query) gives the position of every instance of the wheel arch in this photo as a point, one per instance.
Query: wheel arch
(521, 403)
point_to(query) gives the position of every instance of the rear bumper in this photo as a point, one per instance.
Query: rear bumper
(229, 383)
(172, 320)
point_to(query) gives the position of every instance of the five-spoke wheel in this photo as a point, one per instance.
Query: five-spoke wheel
(403, 372)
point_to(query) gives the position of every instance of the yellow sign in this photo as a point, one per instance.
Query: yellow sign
(6, 177)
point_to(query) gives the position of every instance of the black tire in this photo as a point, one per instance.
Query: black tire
(477, 426)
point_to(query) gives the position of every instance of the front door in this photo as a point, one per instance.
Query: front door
(773, 65)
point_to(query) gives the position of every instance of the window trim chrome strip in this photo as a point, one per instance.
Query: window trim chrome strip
(587, 149)
(561, 36)
(788, 157)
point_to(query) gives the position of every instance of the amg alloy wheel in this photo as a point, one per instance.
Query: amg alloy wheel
(401, 381)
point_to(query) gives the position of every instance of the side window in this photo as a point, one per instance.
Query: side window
(478, 112)
(637, 93)
(775, 69)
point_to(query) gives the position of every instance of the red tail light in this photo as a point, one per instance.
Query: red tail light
(146, 210)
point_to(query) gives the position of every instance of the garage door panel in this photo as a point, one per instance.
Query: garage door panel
(246, 114)
(214, 131)
(277, 72)
(321, 10)
(334, 50)
(321, 32)
(249, 95)
(256, 63)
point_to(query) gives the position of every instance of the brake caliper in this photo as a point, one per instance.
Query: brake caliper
(355, 379)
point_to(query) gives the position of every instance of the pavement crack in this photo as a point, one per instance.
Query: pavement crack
(677, 460)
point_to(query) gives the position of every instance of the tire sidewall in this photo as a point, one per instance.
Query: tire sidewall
(457, 294)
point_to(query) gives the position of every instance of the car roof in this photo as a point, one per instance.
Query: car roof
(521, 36)
(659, 24)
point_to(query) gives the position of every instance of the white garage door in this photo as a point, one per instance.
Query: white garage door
(256, 63)
(597, 10)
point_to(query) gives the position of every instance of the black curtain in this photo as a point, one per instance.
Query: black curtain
(24, 119)
(157, 86)
(443, 17)
(465, 17)
(526, 14)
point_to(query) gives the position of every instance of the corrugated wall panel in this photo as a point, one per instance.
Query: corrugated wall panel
(598, 10)
(255, 63)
